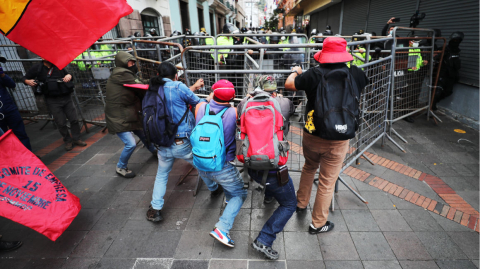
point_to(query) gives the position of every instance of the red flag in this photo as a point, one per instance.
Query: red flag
(30, 194)
(59, 30)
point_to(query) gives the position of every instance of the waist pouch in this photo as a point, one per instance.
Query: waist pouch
(56, 87)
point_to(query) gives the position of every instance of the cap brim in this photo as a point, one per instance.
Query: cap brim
(333, 57)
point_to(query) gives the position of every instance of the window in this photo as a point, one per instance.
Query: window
(150, 22)
(201, 21)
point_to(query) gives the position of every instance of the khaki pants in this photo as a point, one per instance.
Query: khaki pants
(329, 154)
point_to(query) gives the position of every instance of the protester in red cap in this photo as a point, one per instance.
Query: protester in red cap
(329, 154)
(228, 178)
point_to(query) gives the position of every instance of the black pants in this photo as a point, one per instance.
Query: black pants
(62, 108)
(12, 120)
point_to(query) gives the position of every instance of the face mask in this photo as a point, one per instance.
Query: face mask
(133, 68)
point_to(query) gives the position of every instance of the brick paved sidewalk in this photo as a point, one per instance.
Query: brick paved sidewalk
(390, 231)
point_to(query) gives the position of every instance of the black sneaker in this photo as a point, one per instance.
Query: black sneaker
(267, 251)
(217, 192)
(9, 245)
(301, 210)
(325, 228)
(268, 200)
(154, 215)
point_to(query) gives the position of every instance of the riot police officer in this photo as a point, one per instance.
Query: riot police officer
(449, 73)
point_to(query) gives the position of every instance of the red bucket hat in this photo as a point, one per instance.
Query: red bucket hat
(334, 51)
(223, 90)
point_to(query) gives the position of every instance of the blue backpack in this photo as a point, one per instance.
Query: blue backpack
(157, 123)
(208, 145)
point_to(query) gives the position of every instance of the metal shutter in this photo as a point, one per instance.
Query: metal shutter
(334, 17)
(319, 20)
(381, 11)
(451, 16)
(354, 16)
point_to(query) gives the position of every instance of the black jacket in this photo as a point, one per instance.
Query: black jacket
(40, 71)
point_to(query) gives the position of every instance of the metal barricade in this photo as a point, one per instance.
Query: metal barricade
(413, 76)
(373, 105)
(148, 67)
(90, 72)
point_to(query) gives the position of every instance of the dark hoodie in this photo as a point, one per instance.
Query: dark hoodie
(123, 105)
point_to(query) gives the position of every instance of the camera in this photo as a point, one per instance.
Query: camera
(416, 18)
(39, 88)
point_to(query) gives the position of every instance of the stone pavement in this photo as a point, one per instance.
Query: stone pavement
(391, 231)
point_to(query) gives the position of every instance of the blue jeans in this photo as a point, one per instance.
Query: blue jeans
(130, 145)
(235, 194)
(285, 196)
(166, 158)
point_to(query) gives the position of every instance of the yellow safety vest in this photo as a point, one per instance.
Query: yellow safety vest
(223, 41)
(419, 58)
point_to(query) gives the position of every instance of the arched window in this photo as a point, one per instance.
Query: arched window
(152, 19)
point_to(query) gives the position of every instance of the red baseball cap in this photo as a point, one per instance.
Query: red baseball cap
(223, 90)
(334, 51)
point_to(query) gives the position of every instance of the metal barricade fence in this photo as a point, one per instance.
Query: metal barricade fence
(90, 72)
(413, 76)
(373, 105)
(148, 67)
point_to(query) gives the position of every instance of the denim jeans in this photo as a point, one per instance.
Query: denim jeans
(285, 196)
(130, 145)
(166, 158)
(235, 194)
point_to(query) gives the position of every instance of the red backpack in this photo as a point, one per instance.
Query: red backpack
(261, 131)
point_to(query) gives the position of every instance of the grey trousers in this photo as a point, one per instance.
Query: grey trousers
(62, 108)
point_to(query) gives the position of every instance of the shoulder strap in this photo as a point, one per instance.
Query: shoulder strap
(222, 112)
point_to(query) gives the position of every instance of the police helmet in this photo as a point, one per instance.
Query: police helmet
(175, 33)
(457, 36)
(319, 39)
(244, 29)
(153, 32)
(328, 27)
(274, 39)
(229, 28)
(137, 34)
(314, 32)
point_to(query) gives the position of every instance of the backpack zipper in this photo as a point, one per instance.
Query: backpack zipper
(205, 157)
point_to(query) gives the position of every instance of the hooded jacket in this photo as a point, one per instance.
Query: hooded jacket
(123, 105)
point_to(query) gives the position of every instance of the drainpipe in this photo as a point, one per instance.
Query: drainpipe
(227, 17)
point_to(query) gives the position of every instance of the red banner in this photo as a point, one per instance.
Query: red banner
(30, 194)
(59, 30)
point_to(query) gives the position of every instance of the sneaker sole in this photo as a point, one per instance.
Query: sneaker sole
(126, 176)
(263, 252)
(155, 219)
(218, 239)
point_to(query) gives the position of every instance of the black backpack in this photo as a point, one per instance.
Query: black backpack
(157, 123)
(336, 111)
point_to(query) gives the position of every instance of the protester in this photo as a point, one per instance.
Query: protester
(10, 117)
(285, 195)
(327, 153)
(57, 86)
(122, 110)
(227, 175)
(178, 98)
